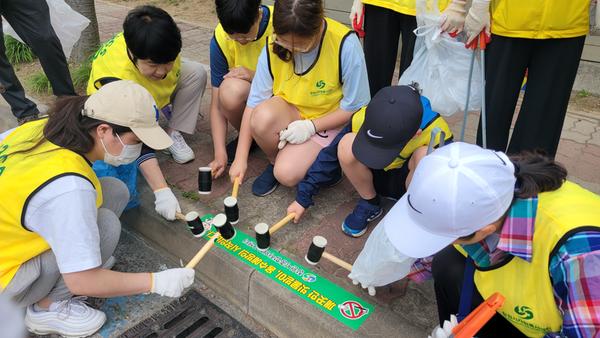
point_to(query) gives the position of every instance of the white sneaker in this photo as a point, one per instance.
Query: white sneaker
(68, 318)
(181, 152)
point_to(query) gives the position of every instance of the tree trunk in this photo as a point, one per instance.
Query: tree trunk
(90, 40)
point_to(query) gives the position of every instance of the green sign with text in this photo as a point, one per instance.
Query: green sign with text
(304, 283)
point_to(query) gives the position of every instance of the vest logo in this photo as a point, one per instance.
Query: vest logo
(320, 84)
(524, 312)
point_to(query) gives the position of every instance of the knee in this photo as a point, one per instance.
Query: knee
(115, 190)
(287, 174)
(109, 229)
(233, 94)
(345, 154)
(194, 74)
(262, 119)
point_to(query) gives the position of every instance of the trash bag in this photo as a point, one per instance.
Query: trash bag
(126, 173)
(67, 23)
(441, 64)
(379, 263)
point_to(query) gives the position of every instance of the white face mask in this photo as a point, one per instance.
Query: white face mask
(128, 155)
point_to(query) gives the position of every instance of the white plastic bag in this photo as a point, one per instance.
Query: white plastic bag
(67, 23)
(441, 65)
(379, 263)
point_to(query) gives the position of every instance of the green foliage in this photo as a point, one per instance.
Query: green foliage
(16, 51)
(192, 195)
(81, 75)
(583, 93)
(39, 83)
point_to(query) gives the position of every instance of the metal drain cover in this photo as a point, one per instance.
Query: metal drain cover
(191, 316)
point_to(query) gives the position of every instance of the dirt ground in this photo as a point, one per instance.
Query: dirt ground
(200, 12)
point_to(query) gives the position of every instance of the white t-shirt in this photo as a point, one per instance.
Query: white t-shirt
(64, 213)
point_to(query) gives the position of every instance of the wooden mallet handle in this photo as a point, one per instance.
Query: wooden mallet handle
(337, 261)
(180, 216)
(282, 222)
(236, 187)
(202, 252)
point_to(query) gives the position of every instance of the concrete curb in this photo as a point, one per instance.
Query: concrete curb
(257, 296)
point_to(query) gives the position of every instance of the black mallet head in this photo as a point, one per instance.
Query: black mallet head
(195, 224)
(263, 237)
(204, 180)
(223, 226)
(232, 210)
(316, 250)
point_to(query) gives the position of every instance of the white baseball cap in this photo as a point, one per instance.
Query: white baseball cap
(455, 191)
(128, 104)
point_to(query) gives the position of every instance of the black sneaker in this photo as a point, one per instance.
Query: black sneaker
(231, 148)
(28, 118)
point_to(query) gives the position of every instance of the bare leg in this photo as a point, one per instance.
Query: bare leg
(267, 120)
(233, 94)
(293, 161)
(359, 174)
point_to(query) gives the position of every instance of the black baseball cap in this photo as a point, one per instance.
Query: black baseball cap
(392, 118)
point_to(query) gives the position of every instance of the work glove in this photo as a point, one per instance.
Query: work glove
(296, 132)
(379, 263)
(446, 330)
(166, 204)
(478, 20)
(453, 18)
(357, 17)
(172, 282)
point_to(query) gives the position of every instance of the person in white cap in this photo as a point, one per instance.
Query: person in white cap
(59, 223)
(512, 225)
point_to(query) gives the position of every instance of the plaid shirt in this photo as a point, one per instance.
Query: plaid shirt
(574, 269)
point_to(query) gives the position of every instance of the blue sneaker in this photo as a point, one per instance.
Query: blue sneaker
(266, 183)
(355, 224)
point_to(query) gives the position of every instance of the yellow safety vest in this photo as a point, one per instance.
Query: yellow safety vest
(22, 174)
(407, 7)
(530, 304)
(416, 142)
(318, 91)
(112, 61)
(238, 55)
(540, 19)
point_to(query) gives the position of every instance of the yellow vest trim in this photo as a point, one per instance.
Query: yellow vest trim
(22, 175)
(318, 91)
(530, 304)
(112, 61)
(416, 142)
(407, 7)
(238, 55)
(540, 19)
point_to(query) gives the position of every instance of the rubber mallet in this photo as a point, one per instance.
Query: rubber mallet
(263, 232)
(202, 252)
(317, 250)
(236, 187)
(223, 226)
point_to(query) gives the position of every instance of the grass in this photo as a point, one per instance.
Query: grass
(16, 51)
(583, 93)
(192, 195)
(39, 83)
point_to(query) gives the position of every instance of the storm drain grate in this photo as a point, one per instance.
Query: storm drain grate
(191, 316)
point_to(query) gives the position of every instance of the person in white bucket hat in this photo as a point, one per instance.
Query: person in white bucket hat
(504, 224)
(59, 223)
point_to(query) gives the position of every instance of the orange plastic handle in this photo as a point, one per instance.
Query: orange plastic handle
(478, 317)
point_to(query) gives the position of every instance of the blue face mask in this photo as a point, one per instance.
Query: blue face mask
(128, 155)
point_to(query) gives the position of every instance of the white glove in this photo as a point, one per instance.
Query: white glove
(166, 203)
(379, 263)
(296, 132)
(453, 18)
(356, 10)
(446, 330)
(172, 282)
(478, 19)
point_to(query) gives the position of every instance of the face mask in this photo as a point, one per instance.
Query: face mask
(128, 155)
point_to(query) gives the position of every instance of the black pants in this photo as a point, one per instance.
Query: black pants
(31, 20)
(382, 30)
(448, 271)
(552, 66)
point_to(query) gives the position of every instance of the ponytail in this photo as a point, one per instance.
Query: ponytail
(537, 173)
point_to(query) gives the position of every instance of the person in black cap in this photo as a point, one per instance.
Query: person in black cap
(372, 151)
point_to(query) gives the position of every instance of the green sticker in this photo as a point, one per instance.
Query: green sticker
(323, 294)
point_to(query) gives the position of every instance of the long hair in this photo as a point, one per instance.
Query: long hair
(537, 173)
(298, 17)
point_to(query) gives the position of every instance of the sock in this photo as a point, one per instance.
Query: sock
(374, 201)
